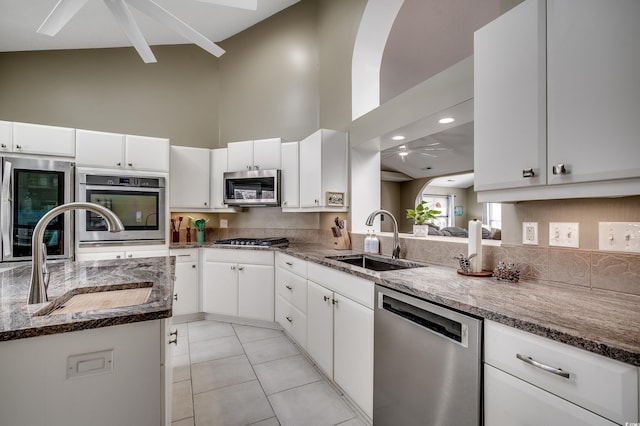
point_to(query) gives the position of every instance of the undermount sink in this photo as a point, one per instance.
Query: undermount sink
(377, 263)
(98, 298)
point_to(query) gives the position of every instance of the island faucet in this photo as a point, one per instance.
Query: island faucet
(396, 244)
(39, 271)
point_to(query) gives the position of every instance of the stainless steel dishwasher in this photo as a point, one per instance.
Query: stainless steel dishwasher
(427, 363)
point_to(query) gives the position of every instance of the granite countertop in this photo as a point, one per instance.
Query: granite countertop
(601, 322)
(16, 316)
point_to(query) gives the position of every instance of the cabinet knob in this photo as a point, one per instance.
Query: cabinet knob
(205, 204)
(193, 266)
(130, 164)
(326, 298)
(334, 301)
(119, 164)
(289, 263)
(289, 319)
(256, 167)
(18, 146)
(130, 256)
(560, 169)
(173, 341)
(175, 297)
(248, 167)
(240, 268)
(3, 145)
(284, 203)
(316, 201)
(233, 268)
(527, 173)
(288, 287)
(118, 257)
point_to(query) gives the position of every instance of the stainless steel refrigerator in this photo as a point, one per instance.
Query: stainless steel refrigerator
(30, 187)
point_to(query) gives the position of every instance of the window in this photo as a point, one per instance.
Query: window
(492, 215)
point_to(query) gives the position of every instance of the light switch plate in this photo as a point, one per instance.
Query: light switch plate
(564, 234)
(530, 233)
(619, 236)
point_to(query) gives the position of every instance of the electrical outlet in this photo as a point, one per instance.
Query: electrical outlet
(530, 233)
(224, 223)
(619, 236)
(564, 234)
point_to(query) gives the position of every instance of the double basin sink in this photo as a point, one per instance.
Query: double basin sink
(377, 263)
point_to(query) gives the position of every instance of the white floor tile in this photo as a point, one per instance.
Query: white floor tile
(207, 350)
(315, 404)
(273, 421)
(286, 373)
(182, 347)
(247, 333)
(223, 372)
(240, 405)
(205, 330)
(269, 349)
(182, 402)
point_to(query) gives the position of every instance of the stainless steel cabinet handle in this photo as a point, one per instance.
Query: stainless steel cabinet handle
(289, 319)
(175, 339)
(289, 263)
(233, 268)
(118, 164)
(527, 173)
(326, 298)
(288, 287)
(118, 257)
(240, 268)
(130, 256)
(560, 169)
(18, 146)
(175, 297)
(3, 145)
(547, 368)
(256, 167)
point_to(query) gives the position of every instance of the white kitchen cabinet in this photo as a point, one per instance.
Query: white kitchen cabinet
(291, 296)
(186, 284)
(117, 151)
(556, 94)
(290, 175)
(323, 168)
(238, 283)
(340, 320)
(43, 140)
(218, 167)
(6, 136)
(575, 384)
(121, 254)
(190, 172)
(320, 326)
(66, 378)
(263, 154)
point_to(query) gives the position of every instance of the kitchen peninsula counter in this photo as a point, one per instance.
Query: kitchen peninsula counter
(598, 321)
(17, 318)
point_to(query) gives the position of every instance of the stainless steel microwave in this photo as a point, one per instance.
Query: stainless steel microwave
(252, 188)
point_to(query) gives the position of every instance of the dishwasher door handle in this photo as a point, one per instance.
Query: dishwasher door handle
(547, 368)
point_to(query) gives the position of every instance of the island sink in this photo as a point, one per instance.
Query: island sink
(377, 263)
(98, 298)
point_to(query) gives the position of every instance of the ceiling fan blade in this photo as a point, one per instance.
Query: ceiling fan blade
(240, 4)
(427, 155)
(125, 19)
(59, 16)
(157, 12)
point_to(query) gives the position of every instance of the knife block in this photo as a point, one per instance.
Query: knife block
(343, 242)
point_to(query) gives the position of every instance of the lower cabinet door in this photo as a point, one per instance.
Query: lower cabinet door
(511, 401)
(292, 320)
(256, 292)
(353, 351)
(320, 326)
(220, 288)
(186, 289)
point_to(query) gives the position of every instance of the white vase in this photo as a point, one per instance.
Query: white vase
(420, 230)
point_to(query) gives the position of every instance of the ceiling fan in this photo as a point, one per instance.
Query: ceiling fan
(65, 10)
(403, 151)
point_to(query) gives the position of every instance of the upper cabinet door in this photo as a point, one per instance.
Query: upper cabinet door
(593, 61)
(266, 154)
(99, 149)
(190, 177)
(290, 180)
(311, 170)
(510, 99)
(147, 153)
(218, 167)
(6, 136)
(44, 140)
(239, 156)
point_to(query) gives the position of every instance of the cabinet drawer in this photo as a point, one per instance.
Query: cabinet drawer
(292, 287)
(254, 257)
(293, 264)
(599, 384)
(355, 288)
(184, 255)
(292, 320)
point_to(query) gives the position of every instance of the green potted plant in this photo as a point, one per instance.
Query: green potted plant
(422, 216)
(199, 224)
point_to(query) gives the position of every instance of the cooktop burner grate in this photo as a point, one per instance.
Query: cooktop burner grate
(264, 242)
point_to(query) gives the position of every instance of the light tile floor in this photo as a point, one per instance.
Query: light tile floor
(229, 374)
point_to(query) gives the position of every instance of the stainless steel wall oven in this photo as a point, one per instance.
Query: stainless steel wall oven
(139, 202)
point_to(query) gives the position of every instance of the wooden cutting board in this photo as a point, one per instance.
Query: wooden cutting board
(104, 300)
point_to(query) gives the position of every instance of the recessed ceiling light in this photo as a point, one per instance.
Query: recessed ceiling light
(398, 138)
(446, 120)
(403, 154)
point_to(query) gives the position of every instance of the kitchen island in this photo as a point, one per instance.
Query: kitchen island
(100, 367)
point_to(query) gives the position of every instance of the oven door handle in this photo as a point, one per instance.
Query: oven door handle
(5, 210)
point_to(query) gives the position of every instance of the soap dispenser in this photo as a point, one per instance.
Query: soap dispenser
(367, 242)
(374, 244)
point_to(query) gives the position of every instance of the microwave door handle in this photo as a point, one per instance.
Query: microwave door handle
(5, 207)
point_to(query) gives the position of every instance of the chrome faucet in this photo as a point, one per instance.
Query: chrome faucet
(39, 271)
(396, 244)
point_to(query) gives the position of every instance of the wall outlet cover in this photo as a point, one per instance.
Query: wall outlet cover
(224, 223)
(530, 233)
(564, 234)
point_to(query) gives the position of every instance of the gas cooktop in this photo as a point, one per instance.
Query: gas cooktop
(264, 242)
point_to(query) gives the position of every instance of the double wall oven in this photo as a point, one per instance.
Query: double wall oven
(139, 202)
(30, 187)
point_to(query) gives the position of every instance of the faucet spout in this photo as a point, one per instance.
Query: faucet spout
(39, 272)
(396, 245)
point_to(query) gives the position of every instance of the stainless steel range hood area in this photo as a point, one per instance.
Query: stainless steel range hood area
(252, 188)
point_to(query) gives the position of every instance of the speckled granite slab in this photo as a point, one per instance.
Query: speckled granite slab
(17, 318)
(601, 322)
